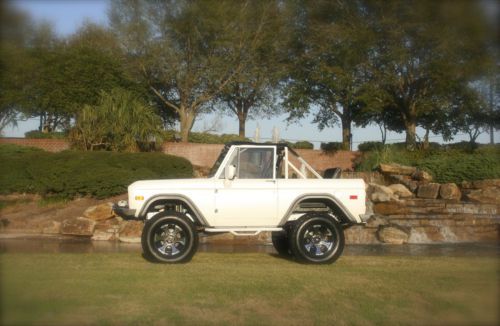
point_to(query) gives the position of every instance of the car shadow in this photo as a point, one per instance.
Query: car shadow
(278, 256)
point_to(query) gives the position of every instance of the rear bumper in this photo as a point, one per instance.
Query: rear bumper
(124, 212)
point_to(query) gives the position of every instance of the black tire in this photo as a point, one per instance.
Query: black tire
(281, 243)
(317, 239)
(169, 237)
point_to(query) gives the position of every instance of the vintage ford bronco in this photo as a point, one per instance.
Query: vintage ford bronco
(251, 188)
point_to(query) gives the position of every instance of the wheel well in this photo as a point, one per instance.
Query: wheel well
(322, 206)
(175, 205)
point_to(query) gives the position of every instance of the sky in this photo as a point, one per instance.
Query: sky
(67, 16)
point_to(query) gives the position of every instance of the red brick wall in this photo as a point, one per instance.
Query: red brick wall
(49, 145)
(198, 154)
(204, 154)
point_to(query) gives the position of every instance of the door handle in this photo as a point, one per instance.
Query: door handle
(273, 181)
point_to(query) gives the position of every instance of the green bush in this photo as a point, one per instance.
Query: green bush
(304, 144)
(446, 165)
(70, 174)
(36, 134)
(370, 146)
(331, 147)
(206, 138)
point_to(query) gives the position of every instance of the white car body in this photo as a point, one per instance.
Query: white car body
(238, 205)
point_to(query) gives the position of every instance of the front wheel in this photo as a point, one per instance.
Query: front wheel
(317, 239)
(169, 237)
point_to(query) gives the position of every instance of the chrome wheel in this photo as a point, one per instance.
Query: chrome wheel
(170, 239)
(318, 240)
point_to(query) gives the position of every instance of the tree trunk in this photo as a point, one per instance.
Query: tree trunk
(426, 139)
(411, 134)
(346, 133)
(186, 123)
(242, 119)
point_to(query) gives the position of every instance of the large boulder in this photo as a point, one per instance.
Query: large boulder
(53, 228)
(379, 193)
(400, 190)
(405, 180)
(429, 191)
(481, 184)
(78, 226)
(392, 234)
(106, 230)
(390, 208)
(397, 169)
(422, 176)
(99, 212)
(450, 191)
(488, 195)
(131, 231)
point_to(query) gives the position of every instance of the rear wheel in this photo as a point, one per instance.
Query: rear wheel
(280, 243)
(169, 237)
(317, 239)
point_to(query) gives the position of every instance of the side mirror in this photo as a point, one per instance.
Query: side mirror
(230, 172)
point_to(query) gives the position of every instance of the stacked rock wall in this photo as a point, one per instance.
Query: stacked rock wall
(416, 210)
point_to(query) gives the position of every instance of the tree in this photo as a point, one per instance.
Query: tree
(66, 75)
(186, 51)
(418, 62)
(331, 69)
(251, 92)
(470, 114)
(121, 121)
(15, 29)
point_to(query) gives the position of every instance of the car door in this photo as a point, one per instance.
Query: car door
(250, 199)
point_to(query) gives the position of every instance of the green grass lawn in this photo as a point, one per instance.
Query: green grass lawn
(247, 288)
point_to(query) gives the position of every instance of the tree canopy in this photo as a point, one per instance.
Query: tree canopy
(397, 64)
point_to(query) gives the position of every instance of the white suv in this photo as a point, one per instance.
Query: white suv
(252, 188)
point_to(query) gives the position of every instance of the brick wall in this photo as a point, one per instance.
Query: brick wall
(49, 145)
(204, 154)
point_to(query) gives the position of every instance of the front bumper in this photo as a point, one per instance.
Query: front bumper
(124, 212)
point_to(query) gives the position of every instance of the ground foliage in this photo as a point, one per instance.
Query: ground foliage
(453, 164)
(70, 174)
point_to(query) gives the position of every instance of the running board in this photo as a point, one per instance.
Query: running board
(242, 231)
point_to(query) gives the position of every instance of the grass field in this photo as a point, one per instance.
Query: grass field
(247, 288)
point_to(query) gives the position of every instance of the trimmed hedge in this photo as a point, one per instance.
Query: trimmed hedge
(35, 134)
(304, 144)
(70, 174)
(206, 138)
(331, 147)
(446, 165)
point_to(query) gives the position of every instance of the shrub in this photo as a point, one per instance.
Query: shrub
(205, 137)
(304, 144)
(445, 165)
(120, 122)
(36, 134)
(70, 174)
(370, 146)
(331, 147)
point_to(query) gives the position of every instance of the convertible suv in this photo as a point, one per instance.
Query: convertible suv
(252, 188)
